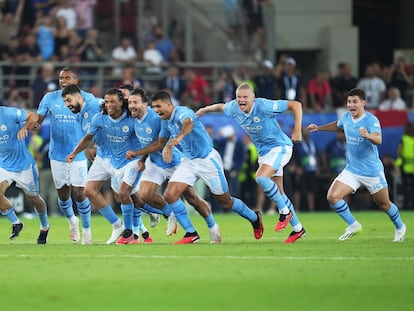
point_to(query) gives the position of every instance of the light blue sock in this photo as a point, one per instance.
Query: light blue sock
(180, 213)
(84, 209)
(271, 191)
(66, 207)
(243, 210)
(166, 211)
(44, 220)
(127, 211)
(210, 220)
(11, 215)
(394, 215)
(342, 208)
(137, 224)
(109, 214)
(294, 220)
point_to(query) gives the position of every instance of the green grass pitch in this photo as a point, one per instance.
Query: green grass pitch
(318, 272)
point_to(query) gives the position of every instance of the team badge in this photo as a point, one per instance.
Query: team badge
(125, 129)
(256, 119)
(86, 115)
(3, 127)
(148, 130)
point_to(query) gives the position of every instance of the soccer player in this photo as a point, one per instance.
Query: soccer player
(154, 218)
(147, 128)
(119, 135)
(257, 116)
(99, 171)
(364, 167)
(17, 165)
(69, 178)
(180, 126)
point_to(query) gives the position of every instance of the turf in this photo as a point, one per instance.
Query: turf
(318, 272)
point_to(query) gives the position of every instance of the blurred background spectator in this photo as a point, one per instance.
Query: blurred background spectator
(45, 38)
(398, 77)
(290, 84)
(10, 23)
(129, 77)
(15, 99)
(90, 50)
(319, 91)
(65, 9)
(341, 83)
(373, 86)
(225, 86)
(61, 34)
(306, 161)
(153, 59)
(123, 54)
(173, 82)
(265, 82)
(197, 93)
(393, 101)
(44, 82)
(84, 16)
(230, 148)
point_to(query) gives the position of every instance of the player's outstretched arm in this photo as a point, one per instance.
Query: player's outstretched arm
(329, 127)
(212, 108)
(82, 145)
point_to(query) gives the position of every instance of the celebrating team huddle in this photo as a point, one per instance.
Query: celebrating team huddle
(138, 148)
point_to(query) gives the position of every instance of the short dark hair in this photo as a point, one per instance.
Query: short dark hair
(357, 92)
(141, 92)
(161, 95)
(70, 70)
(70, 90)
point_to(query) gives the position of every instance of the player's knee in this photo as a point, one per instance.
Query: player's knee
(146, 194)
(225, 201)
(90, 191)
(171, 196)
(79, 194)
(124, 196)
(385, 206)
(332, 198)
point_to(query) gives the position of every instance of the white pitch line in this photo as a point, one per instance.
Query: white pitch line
(333, 258)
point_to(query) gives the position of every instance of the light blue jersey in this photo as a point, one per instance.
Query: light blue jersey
(65, 128)
(261, 123)
(119, 136)
(14, 155)
(147, 130)
(197, 143)
(89, 110)
(362, 156)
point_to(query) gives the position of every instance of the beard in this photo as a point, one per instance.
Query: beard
(76, 108)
